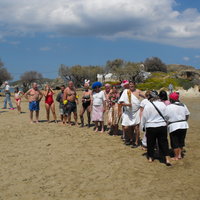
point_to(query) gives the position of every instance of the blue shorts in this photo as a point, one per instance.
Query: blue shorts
(34, 106)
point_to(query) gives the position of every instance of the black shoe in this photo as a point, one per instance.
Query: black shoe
(135, 145)
(127, 142)
(168, 164)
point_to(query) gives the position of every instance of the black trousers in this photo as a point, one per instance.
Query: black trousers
(159, 134)
(177, 138)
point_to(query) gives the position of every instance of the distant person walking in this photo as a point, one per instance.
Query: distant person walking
(7, 96)
(34, 96)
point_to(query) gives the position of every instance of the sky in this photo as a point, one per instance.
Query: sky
(41, 35)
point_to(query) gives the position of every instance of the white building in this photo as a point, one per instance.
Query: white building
(106, 77)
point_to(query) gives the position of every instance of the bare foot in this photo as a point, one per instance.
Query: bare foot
(174, 158)
(144, 148)
(96, 130)
(150, 160)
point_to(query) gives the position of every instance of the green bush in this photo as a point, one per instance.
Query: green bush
(160, 80)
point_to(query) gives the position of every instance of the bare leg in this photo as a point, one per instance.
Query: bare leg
(69, 118)
(123, 133)
(176, 154)
(19, 106)
(81, 116)
(76, 118)
(37, 115)
(31, 116)
(61, 118)
(47, 111)
(137, 134)
(168, 163)
(96, 126)
(102, 126)
(179, 153)
(64, 119)
(88, 116)
(115, 129)
(53, 110)
(128, 130)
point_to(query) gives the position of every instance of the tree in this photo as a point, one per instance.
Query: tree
(113, 65)
(79, 73)
(30, 77)
(4, 74)
(154, 64)
(65, 73)
(130, 71)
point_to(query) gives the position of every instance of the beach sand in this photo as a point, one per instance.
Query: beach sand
(54, 162)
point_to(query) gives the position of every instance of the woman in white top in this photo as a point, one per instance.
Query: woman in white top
(98, 105)
(142, 105)
(177, 115)
(156, 127)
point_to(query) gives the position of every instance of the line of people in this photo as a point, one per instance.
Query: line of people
(155, 114)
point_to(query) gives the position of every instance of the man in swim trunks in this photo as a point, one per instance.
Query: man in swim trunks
(72, 101)
(34, 96)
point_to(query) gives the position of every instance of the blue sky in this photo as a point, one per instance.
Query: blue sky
(41, 35)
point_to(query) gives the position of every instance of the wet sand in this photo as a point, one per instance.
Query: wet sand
(54, 162)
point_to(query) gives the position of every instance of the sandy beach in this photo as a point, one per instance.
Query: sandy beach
(54, 162)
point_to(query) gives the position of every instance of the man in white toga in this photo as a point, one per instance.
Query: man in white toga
(131, 114)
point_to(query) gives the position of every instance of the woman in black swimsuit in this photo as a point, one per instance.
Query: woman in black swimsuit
(86, 102)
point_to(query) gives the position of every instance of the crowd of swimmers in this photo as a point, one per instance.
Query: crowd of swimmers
(155, 114)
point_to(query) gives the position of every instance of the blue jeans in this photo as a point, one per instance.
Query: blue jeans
(7, 99)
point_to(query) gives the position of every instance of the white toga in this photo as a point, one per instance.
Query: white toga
(130, 116)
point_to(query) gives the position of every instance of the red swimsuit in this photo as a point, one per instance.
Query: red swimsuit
(49, 98)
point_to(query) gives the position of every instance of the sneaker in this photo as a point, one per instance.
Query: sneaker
(12, 109)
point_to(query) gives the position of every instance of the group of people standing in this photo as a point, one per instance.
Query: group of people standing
(151, 112)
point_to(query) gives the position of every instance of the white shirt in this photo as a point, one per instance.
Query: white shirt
(98, 98)
(176, 113)
(7, 87)
(130, 116)
(151, 117)
(144, 102)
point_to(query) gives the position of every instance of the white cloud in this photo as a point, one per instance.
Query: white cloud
(197, 56)
(45, 48)
(149, 20)
(186, 58)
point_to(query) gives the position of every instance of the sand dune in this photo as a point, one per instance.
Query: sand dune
(49, 161)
